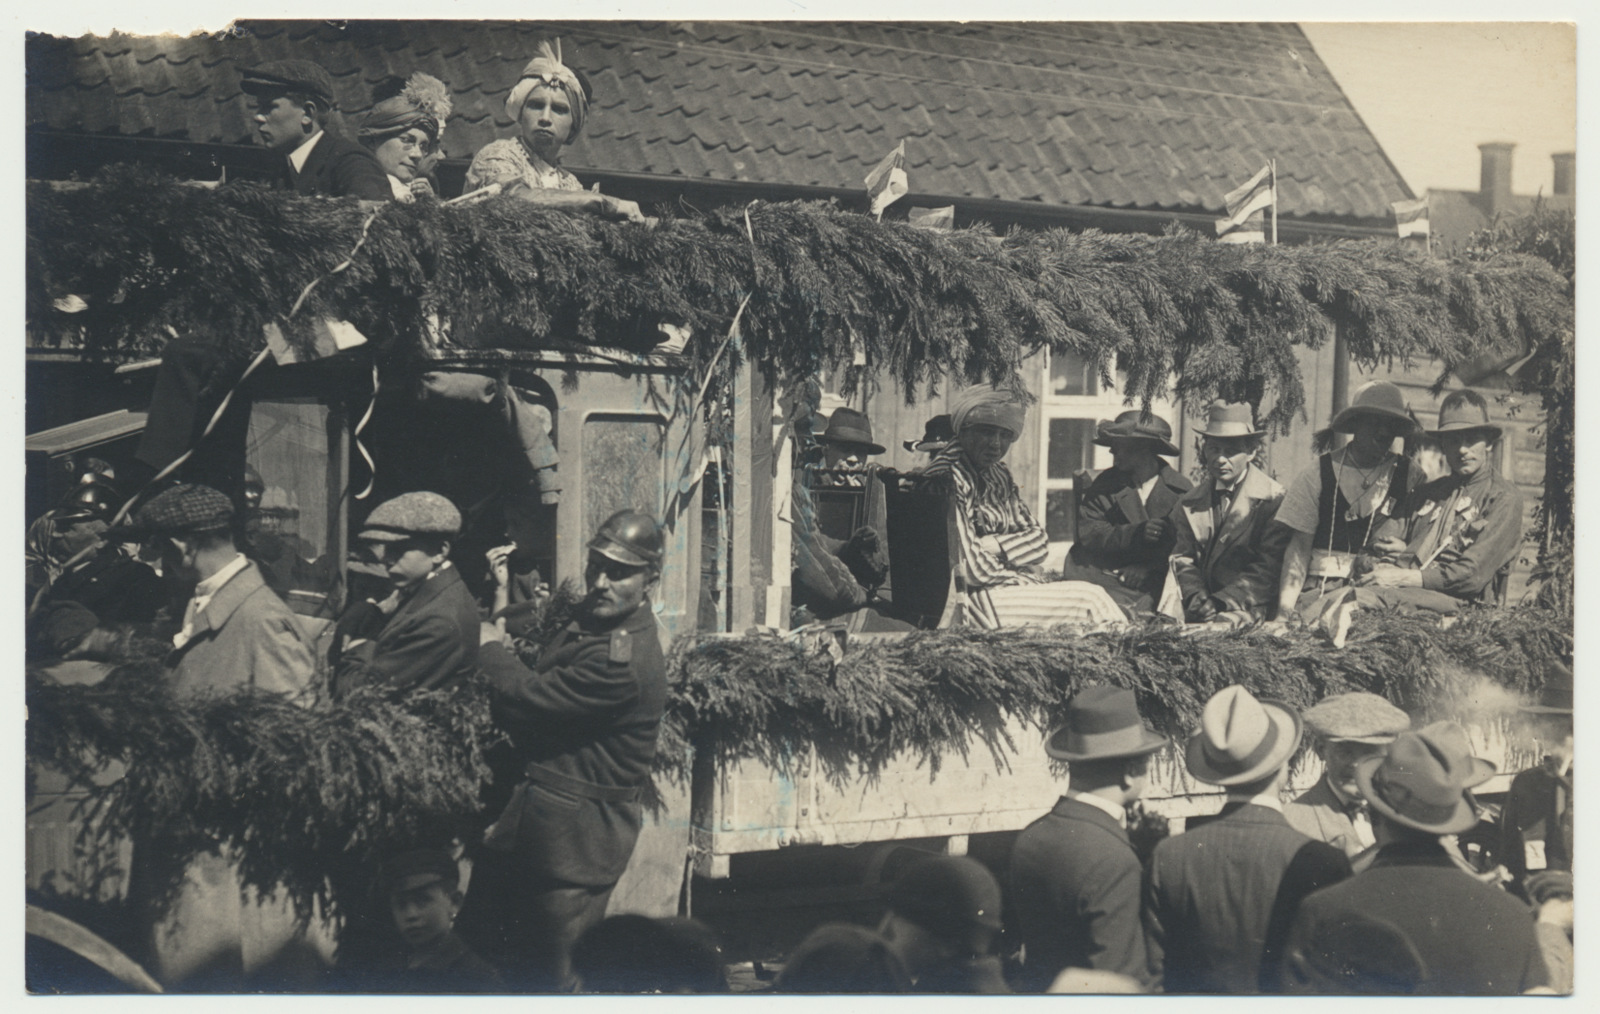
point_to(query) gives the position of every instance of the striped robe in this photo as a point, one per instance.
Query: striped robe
(988, 503)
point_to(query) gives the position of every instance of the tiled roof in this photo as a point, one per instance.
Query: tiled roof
(1131, 115)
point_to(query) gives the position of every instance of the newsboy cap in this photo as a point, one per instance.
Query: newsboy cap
(1358, 717)
(185, 509)
(412, 514)
(278, 77)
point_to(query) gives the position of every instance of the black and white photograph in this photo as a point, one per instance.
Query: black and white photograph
(787, 503)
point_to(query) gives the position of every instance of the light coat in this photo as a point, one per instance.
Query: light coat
(244, 638)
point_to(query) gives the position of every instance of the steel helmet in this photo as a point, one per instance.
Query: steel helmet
(92, 499)
(631, 537)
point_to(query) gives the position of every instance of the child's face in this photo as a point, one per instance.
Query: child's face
(423, 914)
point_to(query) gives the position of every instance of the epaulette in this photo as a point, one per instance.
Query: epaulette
(621, 646)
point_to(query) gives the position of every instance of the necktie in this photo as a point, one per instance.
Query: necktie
(1361, 823)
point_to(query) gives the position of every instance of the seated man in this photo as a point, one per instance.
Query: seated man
(1125, 530)
(1460, 530)
(291, 101)
(1228, 551)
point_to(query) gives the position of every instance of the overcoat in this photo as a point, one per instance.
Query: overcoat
(338, 167)
(1074, 891)
(1536, 822)
(1220, 899)
(431, 641)
(245, 637)
(1109, 522)
(1237, 562)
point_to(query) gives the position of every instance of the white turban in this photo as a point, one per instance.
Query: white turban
(547, 69)
(985, 404)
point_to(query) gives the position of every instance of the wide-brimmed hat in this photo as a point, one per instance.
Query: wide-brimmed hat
(1457, 414)
(1356, 718)
(1375, 398)
(847, 426)
(1422, 782)
(1230, 419)
(1103, 723)
(1241, 739)
(936, 435)
(410, 515)
(1136, 425)
(1454, 738)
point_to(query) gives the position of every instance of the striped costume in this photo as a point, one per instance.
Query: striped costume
(988, 503)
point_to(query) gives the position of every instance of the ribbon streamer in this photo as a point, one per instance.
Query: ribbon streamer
(366, 417)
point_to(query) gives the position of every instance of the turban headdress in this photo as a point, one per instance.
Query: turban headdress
(424, 103)
(985, 404)
(547, 69)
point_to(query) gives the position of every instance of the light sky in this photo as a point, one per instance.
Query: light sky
(1431, 93)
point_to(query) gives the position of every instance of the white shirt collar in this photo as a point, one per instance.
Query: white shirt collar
(1148, 485)
(297, 158)
(1268, 799)
(1117, 813)
(211, 585)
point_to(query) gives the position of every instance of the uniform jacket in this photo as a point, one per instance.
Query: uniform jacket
(1537, 821)
(245, 638)
(1318, 814)
(584, 721)
(1220, 899)
(1482, 528)
(431, 641)
(338, 167)
(1109, 522)
(1239, 561)
(1074, 893)
(1468, 938)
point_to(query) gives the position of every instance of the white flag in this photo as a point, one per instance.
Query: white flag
(886, 183)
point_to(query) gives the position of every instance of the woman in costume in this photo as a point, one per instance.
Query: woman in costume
(549, 104)
(404, 128)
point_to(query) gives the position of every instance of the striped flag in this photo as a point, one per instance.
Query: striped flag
(1250, 230)
(886, 183)
(1255, 195)
(936, 219)
(1411, 217)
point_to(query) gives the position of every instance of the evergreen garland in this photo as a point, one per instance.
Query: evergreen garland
(148, 254)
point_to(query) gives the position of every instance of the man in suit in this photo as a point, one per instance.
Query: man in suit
(1536, 822)
(1349, 728)
(424, 634)
(291, 102)
(583, 722)
(1220, 898)
(1462, 937)
(1125, 528)
(1075, 879)
(1228, 552)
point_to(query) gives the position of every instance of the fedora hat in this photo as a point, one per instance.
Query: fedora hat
(936, 435)
(1375, 398)
(847, 426)
(1136, 425)
(1422, 782)
(1454, 737)
(1230, 419)
(1241, 739)
(1103, 723)
(1460, 413)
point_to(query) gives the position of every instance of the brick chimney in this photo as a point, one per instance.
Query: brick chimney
(1494, 185)
(1566, 168)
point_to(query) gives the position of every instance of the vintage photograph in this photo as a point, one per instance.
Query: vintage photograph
(800, 507)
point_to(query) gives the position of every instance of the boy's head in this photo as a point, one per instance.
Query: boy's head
(423, 895)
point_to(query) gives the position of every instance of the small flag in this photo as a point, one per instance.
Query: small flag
(886, 183)
(1411, 217)
(938, 219)
(1252, 197)
(1249, 230)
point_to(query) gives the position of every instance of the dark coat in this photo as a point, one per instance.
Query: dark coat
(1220, 899)
(1538, 809)
(1465, 938)
(338, 167)
(1074, 896)
(1109, 521)
(584, 722)
(1237, 563)
(431, 641)
(1483, 534)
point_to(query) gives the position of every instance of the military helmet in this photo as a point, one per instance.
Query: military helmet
(92, 499)
(631, 537)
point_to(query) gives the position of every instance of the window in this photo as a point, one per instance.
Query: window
(1072, 376)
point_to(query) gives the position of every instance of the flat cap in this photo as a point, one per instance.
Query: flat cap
(280, 76)
(184, 509)
(1358, 717)
(419, 868)
(412, 514)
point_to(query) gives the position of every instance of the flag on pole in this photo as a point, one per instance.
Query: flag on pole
(886, 183)
(1411, 217)
(935, 219)
(1250, 230)
(1255, 195)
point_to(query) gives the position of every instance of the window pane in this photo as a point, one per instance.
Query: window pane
(1072, 375)
(291, 532)
(1060, 516)
(621, 467)
(1071, 446)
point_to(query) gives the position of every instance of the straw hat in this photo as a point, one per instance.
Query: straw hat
(1241, 739)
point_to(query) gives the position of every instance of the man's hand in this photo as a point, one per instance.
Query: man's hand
(1201, 608)
(991, 544)
(1389, 546)
(491, 633)
(500, 563)
(1387, 576)
(1154, 530)
(620, 210)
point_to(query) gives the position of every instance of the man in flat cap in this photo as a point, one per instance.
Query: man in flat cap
(291, 102)
(583, 722)
(424, 634)
(1349, 728)
(1075, 877)
(236, 632)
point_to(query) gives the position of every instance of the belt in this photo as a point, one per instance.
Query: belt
(579, 787)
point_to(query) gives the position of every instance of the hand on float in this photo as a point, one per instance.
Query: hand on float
(620, 209)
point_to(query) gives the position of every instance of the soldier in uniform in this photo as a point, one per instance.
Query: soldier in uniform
(584, 722)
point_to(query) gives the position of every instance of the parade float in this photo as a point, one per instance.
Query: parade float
(676, 358)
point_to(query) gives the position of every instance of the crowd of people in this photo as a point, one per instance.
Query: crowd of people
(1365, 883)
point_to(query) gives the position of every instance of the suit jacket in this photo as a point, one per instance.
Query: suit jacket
(1074, 896)
(1478, 536)
(1462, 937)
(245, 638)
(1532, 815)
(431, 641)
(1220, 899)
(1318, 814)
(1237, 562)
(584, 722)
(1109, 522)
(338, 167)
